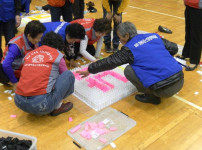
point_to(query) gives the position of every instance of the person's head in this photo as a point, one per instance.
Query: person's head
(53, 40)
(126, 31)
(102, 27)
(74, 33)
(34, 31)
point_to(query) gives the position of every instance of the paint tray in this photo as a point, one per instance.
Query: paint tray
(111, 118)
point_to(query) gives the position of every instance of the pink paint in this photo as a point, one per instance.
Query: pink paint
(95, 83)
(102, 140)
(105, 130)
(75, 129)
(89, 137)
(86, 126)
(70, 119)
(101, 125)
(113, 129)
(13, 116)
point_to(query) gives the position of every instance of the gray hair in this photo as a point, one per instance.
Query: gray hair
(127, 27)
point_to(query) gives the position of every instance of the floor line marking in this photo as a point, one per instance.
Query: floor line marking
(182, 18)
(187, 102)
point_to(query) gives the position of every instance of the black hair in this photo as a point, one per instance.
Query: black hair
(34, 28)
(102, 25)
(75, 31)
(53, 40)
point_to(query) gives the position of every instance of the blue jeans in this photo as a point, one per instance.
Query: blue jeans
(65, 11)
(46, 103)
(8, 29)
(114, 5)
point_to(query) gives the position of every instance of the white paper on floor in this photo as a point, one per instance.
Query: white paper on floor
(103, 89)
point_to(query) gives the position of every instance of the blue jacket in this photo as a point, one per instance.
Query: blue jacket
(27, 5)
(57, 27)
(7, 10)
(152, 62)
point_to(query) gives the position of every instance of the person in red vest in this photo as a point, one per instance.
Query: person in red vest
(45, 80)
(95, 30)
(17, 48)
(193, 33)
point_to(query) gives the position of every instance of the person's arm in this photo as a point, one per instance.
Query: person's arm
(83, 52)
(13, 53)
(119, 58)
(27, 5)
(98, 47)
(17, 12)
(123, 5)
(62, 66)
(106, 6)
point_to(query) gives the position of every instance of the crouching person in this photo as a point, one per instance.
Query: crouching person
(152, 70)
(45, 80)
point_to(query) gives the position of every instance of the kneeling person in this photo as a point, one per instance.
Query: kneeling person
(45, 80)
(152, 70)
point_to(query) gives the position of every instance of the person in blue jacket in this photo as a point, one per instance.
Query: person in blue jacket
(9, 19)
(25, 6)
(152, 70)
(70, 33)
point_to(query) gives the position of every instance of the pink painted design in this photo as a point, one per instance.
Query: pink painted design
(70, 119)
(101, 125)
(118, 76)
(86, 126)
(105, 130)
(89, 137)
(94, 83)
(103, 140)
(75, 129)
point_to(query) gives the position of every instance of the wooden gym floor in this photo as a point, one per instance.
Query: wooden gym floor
(175, 124)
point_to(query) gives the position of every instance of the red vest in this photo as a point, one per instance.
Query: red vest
(194, 3)
(90, 32)
(40, 71)
(22, 44)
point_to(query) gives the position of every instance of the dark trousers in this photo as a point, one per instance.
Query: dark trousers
(166, 91)
(78, 9)
(46, 7)
(114, 5)
(8, 30)
(90, 49)
(65, 11)
(193, 34)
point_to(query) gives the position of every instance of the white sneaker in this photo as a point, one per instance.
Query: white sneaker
(38, 7)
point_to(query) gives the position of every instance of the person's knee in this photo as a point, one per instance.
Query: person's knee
(70, 76)
(127, 71)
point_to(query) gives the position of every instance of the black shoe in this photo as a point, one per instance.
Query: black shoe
(108, 48)
(188, 68)
(115, 48)
(148, 98)
(164, 29)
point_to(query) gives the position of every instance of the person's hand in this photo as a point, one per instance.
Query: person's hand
(109, 16)
(73, 63)
(26, 14)
(14, 86)
(83, 73)
(18, 21)
(117, 18)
